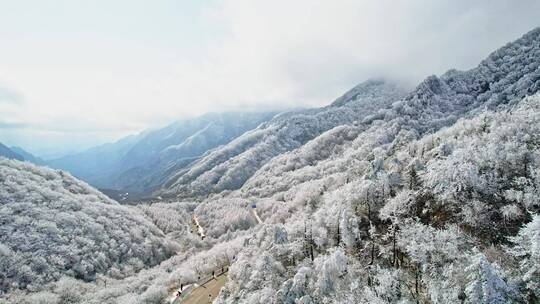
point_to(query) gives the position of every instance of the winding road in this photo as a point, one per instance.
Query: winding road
(208, 289)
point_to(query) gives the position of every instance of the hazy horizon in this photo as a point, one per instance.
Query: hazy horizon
(74, 75)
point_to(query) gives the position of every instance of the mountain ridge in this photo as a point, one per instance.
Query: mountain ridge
(494, 82)
(136, 163)
(285, 132)
(6, 152)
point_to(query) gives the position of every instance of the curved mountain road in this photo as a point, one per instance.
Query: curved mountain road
(207, 291)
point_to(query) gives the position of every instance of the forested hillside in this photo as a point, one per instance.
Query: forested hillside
(392, 210)
(449, 217)
(165, 151)
(53, 225)
(230, 166)
(507, 75)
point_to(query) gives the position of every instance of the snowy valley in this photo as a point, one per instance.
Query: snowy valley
(389, 194)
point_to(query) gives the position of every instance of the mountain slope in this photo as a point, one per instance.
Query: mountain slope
(228, 167)
(53, 225)
(28, 156)
(169, 149)
(431, 198)
(444, 205)
(96, 164)
(507, 75)
(8, 153)
(139, 163)
(438, 191)
(500, 81)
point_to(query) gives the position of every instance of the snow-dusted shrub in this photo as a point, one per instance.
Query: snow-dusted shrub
(527, 250)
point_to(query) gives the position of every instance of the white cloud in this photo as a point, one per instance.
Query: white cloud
(254, 55)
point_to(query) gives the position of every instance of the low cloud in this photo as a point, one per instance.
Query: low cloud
(12, 125)
(266, 55)
(10, 96)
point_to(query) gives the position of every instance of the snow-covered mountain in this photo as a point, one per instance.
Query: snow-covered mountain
(433, 199)
(437, 102)
(453, 213)
(53, 225)
(139, 163)
(438, 190)
(384, 196)
(165, 151)
(97, 164)
(504, 77)
(230, 166)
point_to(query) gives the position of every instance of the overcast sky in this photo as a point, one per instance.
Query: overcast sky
(77, 73)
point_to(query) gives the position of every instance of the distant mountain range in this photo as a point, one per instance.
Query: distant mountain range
(19, 153)
(28, 156)
(8, 153)
(138, 164)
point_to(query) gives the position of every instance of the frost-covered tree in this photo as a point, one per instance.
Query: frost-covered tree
(527, 250)
(486, 283)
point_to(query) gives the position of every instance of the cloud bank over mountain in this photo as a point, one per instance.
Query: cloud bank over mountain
(237, 55)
